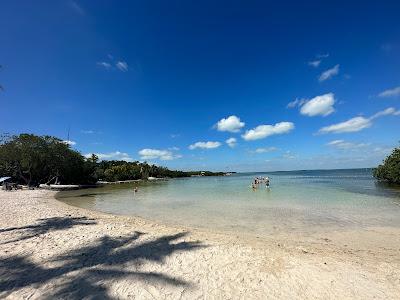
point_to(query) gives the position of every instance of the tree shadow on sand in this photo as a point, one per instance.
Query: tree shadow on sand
(46, 225)
(98, 263)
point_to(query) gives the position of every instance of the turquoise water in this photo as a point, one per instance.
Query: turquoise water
(298, 201)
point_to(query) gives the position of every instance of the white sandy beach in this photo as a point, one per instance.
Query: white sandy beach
(51, 250)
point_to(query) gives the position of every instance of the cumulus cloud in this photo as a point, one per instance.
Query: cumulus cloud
(263, 131)
(319, 106)
(357, 123)
(71, 143)
(146, 154)
(117, 155)
(231, 124)
(265, 150)
(314, 63)
(329, 73)
(343, 145)
(122, 66)
(205, 145)
(394, 92)
(231, 142)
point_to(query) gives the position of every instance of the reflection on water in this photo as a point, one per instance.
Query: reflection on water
(304, 201)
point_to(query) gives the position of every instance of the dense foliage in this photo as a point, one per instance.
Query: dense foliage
(32, 160)
(122, 170)
(390, 169)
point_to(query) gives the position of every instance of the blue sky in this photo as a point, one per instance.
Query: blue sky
(288, 85)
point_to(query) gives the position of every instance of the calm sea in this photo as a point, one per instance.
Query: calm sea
(298, 201)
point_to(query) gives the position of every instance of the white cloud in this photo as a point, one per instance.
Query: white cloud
(319, 106)
(174, 135)
(117, 155)
(352, 125)
(323, 55)
(386, 112)
(110, 64)
(317, 61)
(329, 73)
(384, 151)
(146, 154)
(231, 142)
(357, 123)
(297, 102)
(205, 145)
(71, 143)
(314, 63)
(173, 148)
(263, 131)
(122, 66)
(289, 155)
(343, 145)
(231, 124)
(265, 150)
(104, 65)
(394, 92)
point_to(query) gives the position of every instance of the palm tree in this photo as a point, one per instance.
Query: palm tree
(144, 170)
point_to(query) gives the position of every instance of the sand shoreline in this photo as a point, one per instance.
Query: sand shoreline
(50, 249)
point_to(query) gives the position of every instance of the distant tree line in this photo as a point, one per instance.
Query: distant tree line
(390, 169)
(32, 160)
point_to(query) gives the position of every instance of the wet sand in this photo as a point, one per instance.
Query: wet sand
(51, 250)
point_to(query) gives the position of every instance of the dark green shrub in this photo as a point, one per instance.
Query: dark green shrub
(390, 169)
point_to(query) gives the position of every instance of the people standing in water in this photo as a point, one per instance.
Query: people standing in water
(135, 190)
(267, 182)
(259, 180)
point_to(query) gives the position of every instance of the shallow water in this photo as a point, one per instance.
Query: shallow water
(299, 201)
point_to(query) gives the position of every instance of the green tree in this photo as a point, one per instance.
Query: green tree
(390, 169)
(45, 159)
(41, 159)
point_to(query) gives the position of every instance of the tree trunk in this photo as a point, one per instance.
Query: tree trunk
(20, 174)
